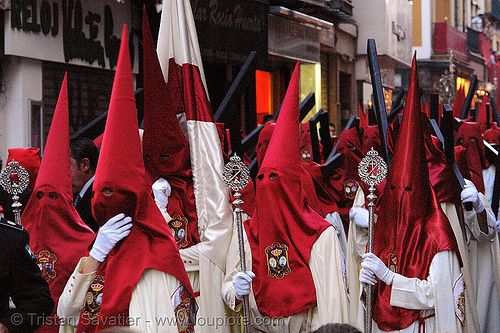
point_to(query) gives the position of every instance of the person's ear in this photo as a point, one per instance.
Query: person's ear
(85, 165)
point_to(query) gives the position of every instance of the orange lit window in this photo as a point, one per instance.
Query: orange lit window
(263, 92)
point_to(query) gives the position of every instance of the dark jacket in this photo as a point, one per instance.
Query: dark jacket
(21, 280)
(84, 209)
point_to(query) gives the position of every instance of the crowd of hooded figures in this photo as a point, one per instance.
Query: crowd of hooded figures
(136, 231)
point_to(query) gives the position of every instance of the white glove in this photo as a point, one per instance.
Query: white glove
(498, 225)
(470, 194)
(161, 191)
(114, 230)
(242, 283)
(367, 277)
(372, 263)
(360, 216)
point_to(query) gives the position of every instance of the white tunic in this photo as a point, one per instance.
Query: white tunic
(212, 315)
(484, 259)
(435, 295)
(150, 309)
(329, 281)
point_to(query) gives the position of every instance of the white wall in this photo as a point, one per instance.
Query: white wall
(372, 24)
(400, 12)
(425, 51)
(22, 78)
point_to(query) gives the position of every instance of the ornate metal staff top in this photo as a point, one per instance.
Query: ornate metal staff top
(14, 179)
(372, 170)
(236, 176)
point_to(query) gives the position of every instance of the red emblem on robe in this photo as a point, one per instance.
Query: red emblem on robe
(46, 261)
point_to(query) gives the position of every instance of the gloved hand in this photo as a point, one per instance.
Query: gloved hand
(161, 191)
(114, 230)
(367, 277)
(372, 263)
(242, 282)
(498, 225)
(470, 194)
(360, 216)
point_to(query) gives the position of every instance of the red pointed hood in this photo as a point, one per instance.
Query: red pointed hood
(492, 135)
(165, 148)
(264, 139)
(441, 175)
(58, 236)
(282, 151)
(371, 139)
(411, 226)
(120, 187)
(283, 228)
(469, 136)
(363, 119)
(344, 182)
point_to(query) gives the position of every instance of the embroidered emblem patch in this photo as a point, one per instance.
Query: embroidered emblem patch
(93, 299)
(178, 225)
(350, 188)
(46, 261)
(306, 155)
(459, 297)
(185, 309)
(392, 262)
(277, 260)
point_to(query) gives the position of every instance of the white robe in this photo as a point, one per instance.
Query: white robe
(212, 314)
(484, 259)
(433, 295)
(329, 280)
(150, 308)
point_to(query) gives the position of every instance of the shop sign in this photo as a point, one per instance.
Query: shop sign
(230, 29)
(76, 32)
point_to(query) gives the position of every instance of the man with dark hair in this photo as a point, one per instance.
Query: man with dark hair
(84, 156)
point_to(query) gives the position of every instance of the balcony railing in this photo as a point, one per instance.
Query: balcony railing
(447, 38)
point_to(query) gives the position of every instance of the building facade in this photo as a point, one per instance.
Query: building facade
(43, 39)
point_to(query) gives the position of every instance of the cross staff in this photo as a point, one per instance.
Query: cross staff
(372, 170)
(378, 96)
(236, 176)
(14, 179)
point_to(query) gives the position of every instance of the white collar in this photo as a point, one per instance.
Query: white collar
(86, 186)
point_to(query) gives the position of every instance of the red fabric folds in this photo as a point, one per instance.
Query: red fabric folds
(492, 135)
(344, 182)
(283, 229)
(150, 244)
(165, 148)
(441, 175)
(411, 226)
(469, 136)
(58, 236)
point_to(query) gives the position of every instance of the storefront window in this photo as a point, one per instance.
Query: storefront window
(310, 81)
(263, 94)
